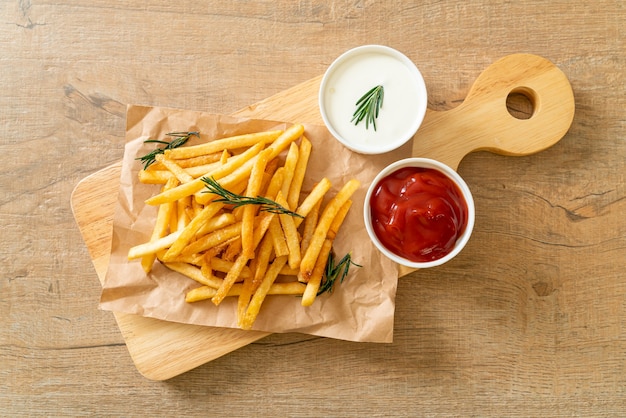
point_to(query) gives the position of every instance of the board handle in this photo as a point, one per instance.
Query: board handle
(483, 122)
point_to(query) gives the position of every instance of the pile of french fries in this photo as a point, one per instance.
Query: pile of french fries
(240, 251)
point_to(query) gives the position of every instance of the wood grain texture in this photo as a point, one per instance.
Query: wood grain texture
(528, 321)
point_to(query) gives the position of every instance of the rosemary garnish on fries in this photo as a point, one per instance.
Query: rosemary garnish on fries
(237, 200)
(334, 271)
(179, 138)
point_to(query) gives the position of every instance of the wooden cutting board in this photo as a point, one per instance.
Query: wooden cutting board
(161, 350)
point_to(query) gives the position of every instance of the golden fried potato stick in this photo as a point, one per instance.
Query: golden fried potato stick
(213, 239)
(181, 209)
(151, 176)
(173, 215)
(315, 279)
(259, 296)
(263, 257)
(194, 273)
(304, 152)
(223, 266)
(321, 230)
(207, 292)
(313, 284)
(275, 183)
(200, 160)
(152, 247)
(290, 166)
(230, 279)
(154, 176)
(278, 238)
(215, 223)
(317, 194)
(291, 234)
(255, 183)
(261, 225)
(189, 232)
(207, 268)
(195, 259)
(176, 170)
(219, 145)
(161, 227)
(310, 222)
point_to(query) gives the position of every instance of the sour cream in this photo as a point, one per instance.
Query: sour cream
(353, 74)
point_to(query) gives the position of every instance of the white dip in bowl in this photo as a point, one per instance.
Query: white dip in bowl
(353, 74)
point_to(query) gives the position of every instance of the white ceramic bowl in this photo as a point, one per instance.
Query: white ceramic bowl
(450, 173)
(355, 72)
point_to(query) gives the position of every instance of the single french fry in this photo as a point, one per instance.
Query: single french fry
(207, 292)
(189, 232)
(187, 189)
(338, 220)
(181, 209)
(317, 193)
(161, 226)
(290, 166)
(293, 196)
(177, 170)
(173, 215)
(206, 268)
(249, 211)
(213, 239)
(314, 281)
(272, 166)
(291, 234)
(200, 160)
(278, 238)
(310, 222)
(264, 254)
(262, 224)
(224, 266)
(194, 273)
(154, 176)
(259, 296)
(275, 183)
(321, 230)
(313, 284)
(215, 223)
(195, 259)
(219, 145)
(230, 279)
(152, 247)
(244, 299)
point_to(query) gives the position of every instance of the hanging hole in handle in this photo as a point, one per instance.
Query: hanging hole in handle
(522, 103)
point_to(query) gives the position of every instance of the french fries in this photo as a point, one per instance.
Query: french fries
(255, 232)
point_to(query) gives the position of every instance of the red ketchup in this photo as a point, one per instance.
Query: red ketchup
(418, 213)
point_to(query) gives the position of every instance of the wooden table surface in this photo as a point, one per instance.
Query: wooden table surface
(530, 319)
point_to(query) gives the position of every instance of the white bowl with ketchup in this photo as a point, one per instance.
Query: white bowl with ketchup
(419, 212)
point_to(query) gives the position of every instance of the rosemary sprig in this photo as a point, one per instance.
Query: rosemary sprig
(368, 106)
(236, 200)
(332, 272)
(179, 138)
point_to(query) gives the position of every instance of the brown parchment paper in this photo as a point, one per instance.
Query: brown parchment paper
(359, 309)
